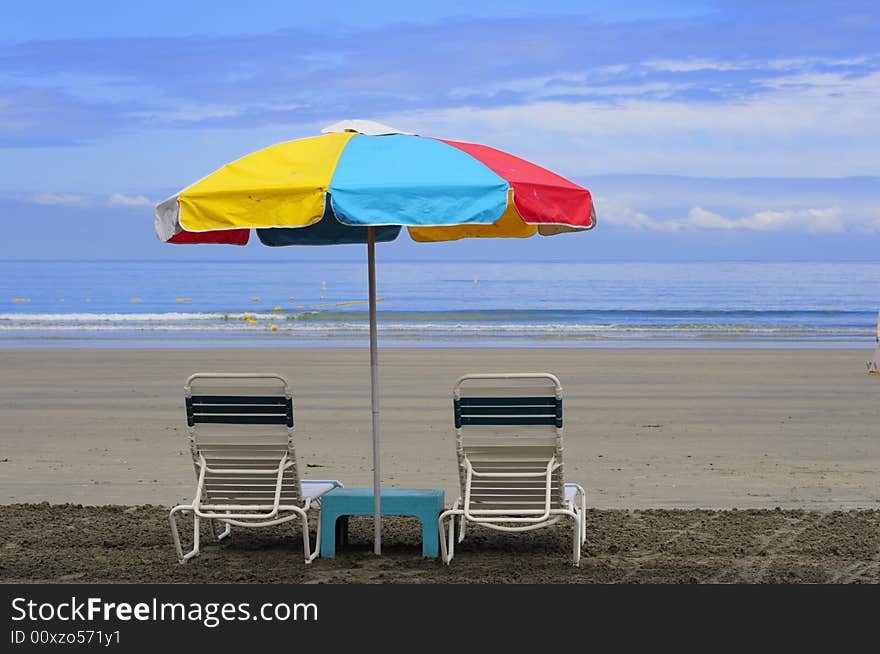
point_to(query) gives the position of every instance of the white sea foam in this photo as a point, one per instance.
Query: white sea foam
(206, 322)
(130, 317)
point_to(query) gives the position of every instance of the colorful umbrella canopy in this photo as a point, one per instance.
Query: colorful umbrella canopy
(361, 182)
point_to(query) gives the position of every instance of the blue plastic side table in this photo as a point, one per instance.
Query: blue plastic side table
(425, 504)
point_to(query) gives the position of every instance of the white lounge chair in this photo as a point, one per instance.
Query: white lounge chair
(241, 438)
(509, 441)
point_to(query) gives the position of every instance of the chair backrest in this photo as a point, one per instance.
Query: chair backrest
(242, 421)
(509, 424)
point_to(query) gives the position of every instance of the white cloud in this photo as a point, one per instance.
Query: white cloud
(613, 213)
(601, 81)
(74, 200)
(691, 65)
(189, 112)
(63, 199)
(811, 220)
(121, 200)
(614, 69)
(826, 220)
(699, 217)
(790, 63)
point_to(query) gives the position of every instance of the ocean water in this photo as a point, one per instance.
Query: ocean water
(438, 304)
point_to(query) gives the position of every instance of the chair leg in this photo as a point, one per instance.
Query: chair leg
(583, 517)
(317, 551)
(181, 557)
(583, 513)
(226, 533)
(579, 505)
(310, 555)
(447, 540)
(461, 528)
(175, 536)
(576, 539)
(305, 529)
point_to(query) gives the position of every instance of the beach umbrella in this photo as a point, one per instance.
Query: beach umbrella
(361, 182)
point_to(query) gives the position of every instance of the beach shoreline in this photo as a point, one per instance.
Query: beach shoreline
(707, 428)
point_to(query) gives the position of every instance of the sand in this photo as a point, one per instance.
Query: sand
(711, 429)
(71, 544)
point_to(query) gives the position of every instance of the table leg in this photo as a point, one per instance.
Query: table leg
(430, 535)
(329, 522)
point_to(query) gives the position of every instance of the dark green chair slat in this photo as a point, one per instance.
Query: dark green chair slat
(246, 408)
(508, 411)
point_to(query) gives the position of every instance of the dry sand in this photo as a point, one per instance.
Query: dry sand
(644, 428)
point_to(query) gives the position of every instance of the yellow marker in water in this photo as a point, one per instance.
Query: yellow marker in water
(292, 298)
(276, 309)
(255, 299)
(300, 307)
(183, 299)
(247, 316)
(21, 299)
(136, 299)
(274, 328)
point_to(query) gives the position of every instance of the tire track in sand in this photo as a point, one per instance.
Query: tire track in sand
(859, 570)
(659, 552)
(769, 550)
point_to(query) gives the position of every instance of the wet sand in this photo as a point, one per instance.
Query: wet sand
(58, 544)
(644, 428)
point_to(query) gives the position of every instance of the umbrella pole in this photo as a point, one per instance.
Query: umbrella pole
(374, 393)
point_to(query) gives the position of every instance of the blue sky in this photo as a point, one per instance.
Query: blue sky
(747, 130)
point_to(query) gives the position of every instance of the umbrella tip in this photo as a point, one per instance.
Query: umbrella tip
(367, 127)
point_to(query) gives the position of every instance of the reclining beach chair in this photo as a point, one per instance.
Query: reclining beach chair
(241, 438)
(509, 441)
